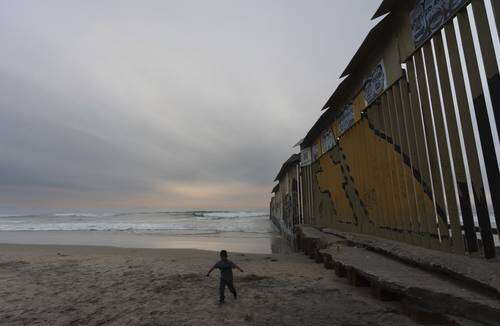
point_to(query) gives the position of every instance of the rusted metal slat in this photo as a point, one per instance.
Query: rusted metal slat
(407, 168)
(370, 166)
(440, 133)
(364, 171)
(495, 4)
(378, 159)
(405, 214)
(422, 173)
(469, 142)
(394, 186)
(442, 221)
(493, 79)
(456, 148)
(386, 185)
(483, 124)
(419, 199)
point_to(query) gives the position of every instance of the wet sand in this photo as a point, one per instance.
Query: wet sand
(85, 285)
(233, 241)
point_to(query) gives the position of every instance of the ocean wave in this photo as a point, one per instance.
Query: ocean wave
(195, 213)
(81, 215)
(153, 221)
(56, 215)
(130, 228)
(229, 215)
(17, 215)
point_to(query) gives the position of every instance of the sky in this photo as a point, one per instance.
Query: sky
(163, 104)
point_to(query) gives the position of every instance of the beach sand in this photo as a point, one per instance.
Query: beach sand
(85, 285)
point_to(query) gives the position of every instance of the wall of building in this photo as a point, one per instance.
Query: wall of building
(391, 173)
(284, 207)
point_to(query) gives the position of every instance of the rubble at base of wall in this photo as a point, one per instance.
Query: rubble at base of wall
(284, 230)
(438, 281)
(276, 223)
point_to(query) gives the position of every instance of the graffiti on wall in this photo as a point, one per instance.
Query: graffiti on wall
(428, 16)
(305, 156)
(327, 140)
(315, 152)
(346, 118)
(375, 83)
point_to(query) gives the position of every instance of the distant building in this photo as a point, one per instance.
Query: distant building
(285, 204)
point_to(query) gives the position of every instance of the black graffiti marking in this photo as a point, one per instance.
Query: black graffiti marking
(344, 187)
(441, 213)
(416, 174)
(420, 233)
(406, 159)
(427, 190)
(331, 199)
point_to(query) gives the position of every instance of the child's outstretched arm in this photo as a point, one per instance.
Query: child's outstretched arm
(237, 267)
(210, 271)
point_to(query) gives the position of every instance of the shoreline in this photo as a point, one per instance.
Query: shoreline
(100, 249)
(232, 241)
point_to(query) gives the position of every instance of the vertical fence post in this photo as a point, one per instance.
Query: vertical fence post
(392, 187)
(442, 145)
(406, 163)
(493, 80)
(456, 148)
(483, 124)
(379, 171)
(431, 148)
(488, 55)
(404, 215)
(495, 4)
(421, 172)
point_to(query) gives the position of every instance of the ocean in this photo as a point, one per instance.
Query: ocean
(241, 231)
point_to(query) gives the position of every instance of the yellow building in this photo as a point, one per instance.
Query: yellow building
(385, 158)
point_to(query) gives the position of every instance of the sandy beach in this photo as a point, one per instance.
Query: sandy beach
(85, 285)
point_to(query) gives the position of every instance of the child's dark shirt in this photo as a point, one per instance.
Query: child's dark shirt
(226, 269)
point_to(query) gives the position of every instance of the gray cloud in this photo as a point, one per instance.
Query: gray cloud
(163, 103)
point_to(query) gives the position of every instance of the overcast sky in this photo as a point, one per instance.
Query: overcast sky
(171, 104)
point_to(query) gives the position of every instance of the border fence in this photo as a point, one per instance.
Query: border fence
(406, 146)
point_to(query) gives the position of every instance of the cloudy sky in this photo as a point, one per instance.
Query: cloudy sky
(172, 104)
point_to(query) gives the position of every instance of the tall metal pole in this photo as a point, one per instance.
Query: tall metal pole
(299, 171)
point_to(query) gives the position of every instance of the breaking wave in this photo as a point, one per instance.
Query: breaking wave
(171, 222)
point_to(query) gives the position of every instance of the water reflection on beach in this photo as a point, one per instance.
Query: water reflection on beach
(237, 231)
(231, 241)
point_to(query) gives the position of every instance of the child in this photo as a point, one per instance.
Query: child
(226, 274)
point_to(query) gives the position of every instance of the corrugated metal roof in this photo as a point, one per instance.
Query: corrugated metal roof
(385, 7)
(323, 121)
(343, 90)
(372, 40)
(388, 6)
(298, 143)
(340, 93)
(275, 189)
(295, 158)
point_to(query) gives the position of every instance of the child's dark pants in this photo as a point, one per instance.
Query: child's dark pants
(222, 287)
